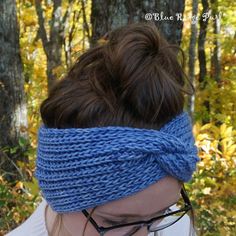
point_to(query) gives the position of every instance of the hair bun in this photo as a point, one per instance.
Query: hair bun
(150, 77)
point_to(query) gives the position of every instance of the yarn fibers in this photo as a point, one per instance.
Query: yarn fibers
(80, 168)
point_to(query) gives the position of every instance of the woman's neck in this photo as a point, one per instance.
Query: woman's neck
(70, 225)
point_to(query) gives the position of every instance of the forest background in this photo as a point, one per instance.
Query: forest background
(40, 40)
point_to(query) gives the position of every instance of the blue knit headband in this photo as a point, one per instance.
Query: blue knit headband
(80, 168)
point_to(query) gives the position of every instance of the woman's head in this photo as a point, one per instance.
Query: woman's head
(133, 80)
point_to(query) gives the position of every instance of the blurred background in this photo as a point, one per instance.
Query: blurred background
(40, 40)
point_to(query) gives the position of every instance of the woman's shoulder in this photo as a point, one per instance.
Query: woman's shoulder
(34, 225)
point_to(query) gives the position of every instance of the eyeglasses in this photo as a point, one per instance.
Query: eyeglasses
(153, 225)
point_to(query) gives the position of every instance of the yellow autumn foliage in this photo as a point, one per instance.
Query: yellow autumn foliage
(213, 188)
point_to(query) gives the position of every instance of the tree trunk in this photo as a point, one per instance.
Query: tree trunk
(192, 55)
(52, 43)
(108, 15)
(77, 15)
(201, 44)
(202, 54)
(216, 56)
(13, 114)
(215, 60)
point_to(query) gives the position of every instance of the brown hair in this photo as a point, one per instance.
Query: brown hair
(135, 79)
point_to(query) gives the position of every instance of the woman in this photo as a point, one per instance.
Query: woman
(116, 146)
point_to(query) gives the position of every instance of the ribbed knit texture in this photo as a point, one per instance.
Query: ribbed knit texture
(79, 168)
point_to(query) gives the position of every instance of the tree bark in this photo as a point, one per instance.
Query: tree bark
(109, 14)
(13, 113)
(52, 43)
(77, 14)
(216, 57)
(202, 54)
(68, 42)
(192, 55)
(201, 44)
